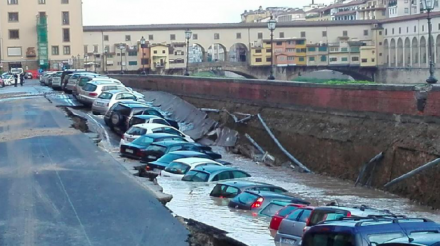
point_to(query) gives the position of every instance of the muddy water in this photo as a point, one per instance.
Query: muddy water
(193, 201)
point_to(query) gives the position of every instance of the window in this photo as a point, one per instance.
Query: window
(300, 42)
(324, 33)
(301, 58)
(132, 53)
(127, 38)
(415, 28)
(106, 38)
(155, 52)
(355, 59)
(303, 34)
(323, 48)
(311, 49)
(12, 2)
(406, 10)
(195, 36)
(107, 49)
(258, 51)
(333, 59)
(95, 48)
(344, 49)
(407, 29)
(305, 215)
(66, 50)
(380, 32)
(150, 37)
(423, 28)
(364, 60)
(268, 59)
(260, 35)
(173, 36)
(268, 50)
(144, 61)
(257, 59)
(281, 34)
(66, 35)
(132, 63)
(65, 18)
(41, 1)
(86, 49)
(13, 17)
(311, 58)
(380, 43)
(65, 1)
(323, 58)
(290, 50)
(55, 50)
(344, 33)
(365, 32)
(238, 35)
(163, 51)
(222, 176)
(290, 58)
(14, 34)
(216, 36)
(383, 237)
(279, 43)
(344, 59)
(400, 30)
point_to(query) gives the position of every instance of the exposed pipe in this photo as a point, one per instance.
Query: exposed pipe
(412, 173)
(291, 157)
(255, 144)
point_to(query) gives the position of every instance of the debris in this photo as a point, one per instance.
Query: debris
(375, 160)
(412, 173)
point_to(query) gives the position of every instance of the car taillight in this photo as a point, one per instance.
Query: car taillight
(258, 203)
(147, 168)
(140, 153)
(93, 94)
(349, 214)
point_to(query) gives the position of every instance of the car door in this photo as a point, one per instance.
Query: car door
(287, 226)
(301, 222)
(224, 175)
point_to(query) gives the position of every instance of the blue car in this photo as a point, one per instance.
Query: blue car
(366, 231)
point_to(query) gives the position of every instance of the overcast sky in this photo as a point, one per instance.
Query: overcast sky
(117, 12)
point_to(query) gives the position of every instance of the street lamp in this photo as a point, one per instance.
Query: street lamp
(428, 5)
(106, 58)
(85, 61)
(121, 47)
(271, 25)
(188, 35)
(79, 61)
(143, 54)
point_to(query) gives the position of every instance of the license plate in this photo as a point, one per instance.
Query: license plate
(129, 151)
(288, 241)
(100, 104)
(130, 139)
(152, 157)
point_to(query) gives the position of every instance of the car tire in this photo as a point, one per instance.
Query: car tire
(116, 119)
(95, 113)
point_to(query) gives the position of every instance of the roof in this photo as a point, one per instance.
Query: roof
(168, 143)
(245, 183)
(418, 238)
(346, 13)
(195, 160)
(115, 91)
(213, 169)
(151, 125)
(410, 17)
(188, 153)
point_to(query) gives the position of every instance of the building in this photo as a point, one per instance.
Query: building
(317, 54)
(291, 15)
(159, 55)
(261, 53)
(286, 51)
(346, 10)
(144, 56)
(177, 55)
(196, 54)
(43, 33)
(372, 10)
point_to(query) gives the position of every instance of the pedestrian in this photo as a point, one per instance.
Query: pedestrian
(16, 79)
(21, 79)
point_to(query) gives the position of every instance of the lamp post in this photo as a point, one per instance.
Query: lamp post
(271, 25)
(79, 61)
(188, 35)
(428, 6)
(105, 59)
(143, 54)
(121, 47)
(85, 61)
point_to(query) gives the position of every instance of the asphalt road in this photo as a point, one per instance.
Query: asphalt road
(58, 188)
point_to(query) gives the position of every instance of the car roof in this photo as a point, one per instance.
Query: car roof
(134, 104)
(357, 210)
(270, 194)
(151, 125)
(103, 82)
(214, 169)
(146, 117)
(408, 223)
(188, 153)
(159, 135)
(170, 143)
(116, 91)
(245, 184)
(425, 239)
(192, 161)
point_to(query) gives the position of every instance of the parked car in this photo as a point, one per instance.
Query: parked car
(92, 89)
(70, 80)
(214, 173)
(108, 98)
(70, 71)
(134, 149)
(255, 200)
(138, 130)
(293, 226)
(143, 119)
(118, 116)
(230, 189)
(83, 80)
(282, 214)
(44, 79)
(55, 80)
(28, 75)
(366, 231)
(204, 149)
(273, 207)
(425, 239)
(170, 157)
(8, 80)
(159, 149)
(178, 168)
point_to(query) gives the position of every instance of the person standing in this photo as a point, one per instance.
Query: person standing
(16, 79)
(21, 79)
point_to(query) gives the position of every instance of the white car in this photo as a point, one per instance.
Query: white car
(9, 80)
(108, 98)
(178, 168)
(138, 130)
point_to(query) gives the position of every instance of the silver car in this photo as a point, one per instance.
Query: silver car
(91, 90)
(56, 80)
(108, 98)
(73, 79)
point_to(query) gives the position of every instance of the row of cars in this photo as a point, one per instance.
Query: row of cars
(149, 136)
(8, 79)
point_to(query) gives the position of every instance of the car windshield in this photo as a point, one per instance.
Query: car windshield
(322, 215)
(157, 149)
(83, 81)
(247, 198)
(286, 210)
(143, 141)
(137, 131)
(271, 209)
(328, 239)
(177, 168)
(221, 190)
(196, 176)
(169, 157)
(106, 95)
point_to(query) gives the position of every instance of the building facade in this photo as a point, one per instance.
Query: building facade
(41, 34)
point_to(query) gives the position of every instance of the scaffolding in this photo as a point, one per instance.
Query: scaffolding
(43, 49)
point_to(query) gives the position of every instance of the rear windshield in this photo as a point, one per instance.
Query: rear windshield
(286, 210)
(221, 190)
(106, 95)
(247, 198)
(196, 176)
(328, 239)
(137, 131)
(271, 209)
(168, 158)
(89, 87)
(83, 81)
(157, 148)
(136, 121)
(322, 215)
(177, 168)
(143, 141)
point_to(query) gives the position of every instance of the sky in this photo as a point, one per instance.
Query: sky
(135, 12)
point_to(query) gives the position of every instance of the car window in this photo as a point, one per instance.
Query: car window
(321, 215)
(143, 141)
(294, 215)
(247, 198)
(383, 237)
(177, 168)
(157, 149)
(152, 112)
(328, 239)
(286, 210)
(222, 176)
(138, 111)
(239, 174)
(89, 87)
(136, 121)
(277, 190)
(123, 110)
(160, 121)
(170, 130)
(271, 209)
(305, 215)
(137, 131)
(157, 130)
(174, 148)
(119, 96)
(106, 95)
(168, 158)
(83, 81)
(196, 176)
(128, 96)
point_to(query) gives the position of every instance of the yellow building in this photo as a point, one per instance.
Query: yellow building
(301, 53)
(368, 56)
(317, 55)
(261, 53)
(159, 57)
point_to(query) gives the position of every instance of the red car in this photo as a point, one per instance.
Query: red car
(283, 213)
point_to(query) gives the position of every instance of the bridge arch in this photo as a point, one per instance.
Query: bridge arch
(393, 52)
(423, 59)
(399, 52)
(216, 53)
(415, 52)
(386, 50)
(407, 55)
(196, 53)
(238, 53)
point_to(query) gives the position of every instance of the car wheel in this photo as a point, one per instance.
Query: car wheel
(95, 113)
(115, 118)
